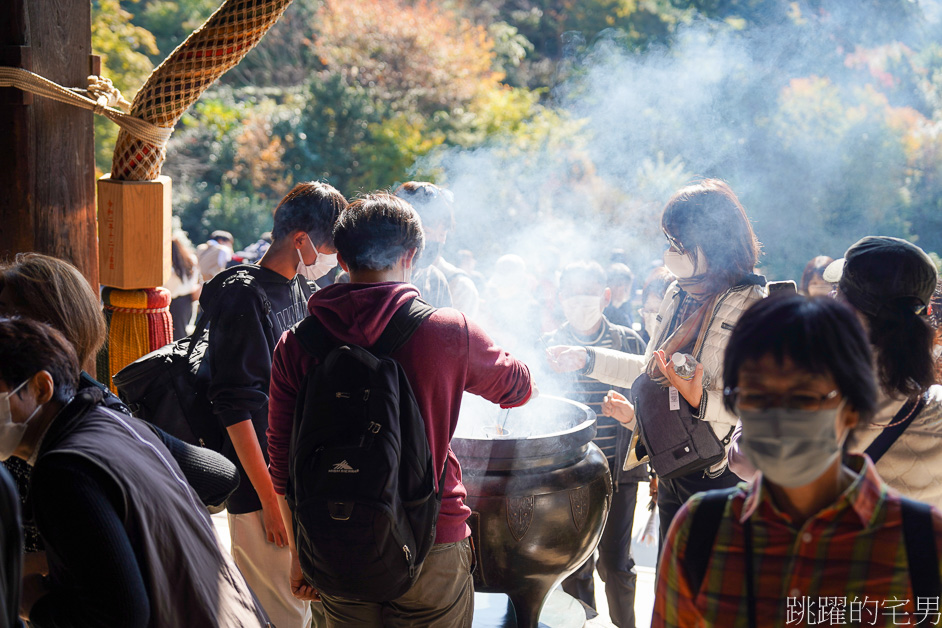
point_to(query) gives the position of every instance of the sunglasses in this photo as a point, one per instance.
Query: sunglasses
(794, 400)
(432, 191)
(674, 243)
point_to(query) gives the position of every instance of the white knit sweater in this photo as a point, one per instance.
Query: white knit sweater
(913, 464)
(621, 369)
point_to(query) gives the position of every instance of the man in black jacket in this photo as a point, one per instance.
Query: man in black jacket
(245, 328)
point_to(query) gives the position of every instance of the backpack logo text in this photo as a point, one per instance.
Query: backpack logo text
(343, 467)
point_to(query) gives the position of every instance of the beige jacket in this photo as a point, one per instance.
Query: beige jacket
(621, 369)
(913, 464)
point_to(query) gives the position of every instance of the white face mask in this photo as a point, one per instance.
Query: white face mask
(680, 264)
(11, 434)
(583, 312)
(322, 265)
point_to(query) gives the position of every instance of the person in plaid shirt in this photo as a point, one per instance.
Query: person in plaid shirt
(817, 537)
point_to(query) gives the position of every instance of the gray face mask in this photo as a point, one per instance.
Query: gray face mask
(791, 447)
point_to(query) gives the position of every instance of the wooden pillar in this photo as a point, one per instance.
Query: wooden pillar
(47, 158)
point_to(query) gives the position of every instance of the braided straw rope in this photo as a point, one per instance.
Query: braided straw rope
(134, 126)
(177, 83)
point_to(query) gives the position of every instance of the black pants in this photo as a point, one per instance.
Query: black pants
(672, 494)
(616, 564)
(181, 311)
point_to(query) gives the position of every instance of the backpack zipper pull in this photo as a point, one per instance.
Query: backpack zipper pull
(405, 549)
(372, 429)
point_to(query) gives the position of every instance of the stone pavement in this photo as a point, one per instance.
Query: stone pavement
(645, 558)
(645, 562)
(644, 601)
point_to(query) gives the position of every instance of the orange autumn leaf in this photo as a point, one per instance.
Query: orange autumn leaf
(414, 56)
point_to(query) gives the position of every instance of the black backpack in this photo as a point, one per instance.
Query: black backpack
(168, 387)
(361, 486)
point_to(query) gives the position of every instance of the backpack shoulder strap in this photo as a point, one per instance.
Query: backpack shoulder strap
(317, 341)
(906, 415)
(314, 337)
(703, 528)
(921, 552)
(245, 273)
(241, 273)
(402, 325)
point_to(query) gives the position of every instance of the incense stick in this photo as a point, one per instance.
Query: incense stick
(502, 418)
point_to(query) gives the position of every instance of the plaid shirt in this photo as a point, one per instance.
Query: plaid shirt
(845, 566)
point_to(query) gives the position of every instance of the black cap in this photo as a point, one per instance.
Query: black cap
(878, 271)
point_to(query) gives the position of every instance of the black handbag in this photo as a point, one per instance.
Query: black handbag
(674, 441)
(168, 387)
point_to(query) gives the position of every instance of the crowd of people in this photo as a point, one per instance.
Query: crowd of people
(824, 503)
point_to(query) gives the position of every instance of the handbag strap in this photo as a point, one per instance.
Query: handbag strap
(898, 425)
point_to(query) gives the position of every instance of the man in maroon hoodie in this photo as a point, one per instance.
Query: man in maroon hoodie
(378, 238)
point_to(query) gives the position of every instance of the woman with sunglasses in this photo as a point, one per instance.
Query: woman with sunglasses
(713, 252)
(817, 537)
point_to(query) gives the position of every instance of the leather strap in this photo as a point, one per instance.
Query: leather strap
(888, 436)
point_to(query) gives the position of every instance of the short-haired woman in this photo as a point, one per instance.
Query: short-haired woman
(818, 537)
(712, 252)
(129, 543)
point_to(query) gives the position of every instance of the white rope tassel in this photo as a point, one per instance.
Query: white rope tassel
(102, 104)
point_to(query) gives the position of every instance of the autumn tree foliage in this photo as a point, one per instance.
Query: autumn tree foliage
(417, 57)
(821, 113)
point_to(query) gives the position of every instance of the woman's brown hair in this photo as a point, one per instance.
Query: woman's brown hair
(53, 291)
(814, 268)
(182, 258)
(708, 215)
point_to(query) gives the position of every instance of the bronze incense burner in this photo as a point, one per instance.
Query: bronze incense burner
(539, 496)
